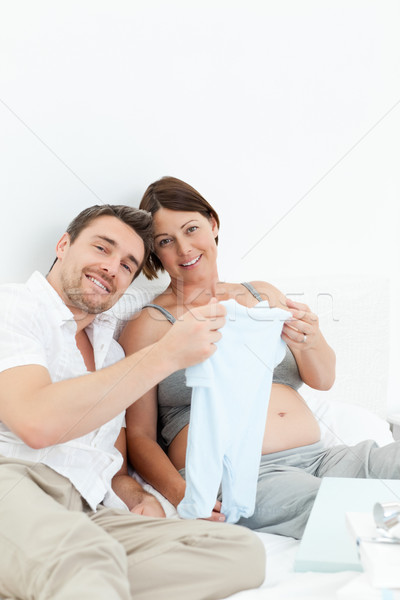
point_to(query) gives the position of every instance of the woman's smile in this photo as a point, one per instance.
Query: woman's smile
(192, 263)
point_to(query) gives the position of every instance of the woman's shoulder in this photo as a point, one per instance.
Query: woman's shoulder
(144, 328)
(270, 293)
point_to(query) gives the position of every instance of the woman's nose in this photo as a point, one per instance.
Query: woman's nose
(183, 247)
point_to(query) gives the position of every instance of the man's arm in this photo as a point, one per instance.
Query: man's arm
(43, 413)
(130, 491)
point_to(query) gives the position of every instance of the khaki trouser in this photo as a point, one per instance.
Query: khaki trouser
(53, 547)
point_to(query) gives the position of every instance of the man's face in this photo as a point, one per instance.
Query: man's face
(96, 269)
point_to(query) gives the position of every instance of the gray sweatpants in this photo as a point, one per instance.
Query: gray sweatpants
(54, 547)
(288, 481)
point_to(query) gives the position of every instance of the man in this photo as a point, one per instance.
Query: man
(64, 386)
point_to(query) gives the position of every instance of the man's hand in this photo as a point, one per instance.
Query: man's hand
(192, 338)
(148, 506)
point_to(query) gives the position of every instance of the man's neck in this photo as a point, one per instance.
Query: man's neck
(82, 317)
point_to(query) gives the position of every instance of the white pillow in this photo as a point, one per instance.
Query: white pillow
(344, 423)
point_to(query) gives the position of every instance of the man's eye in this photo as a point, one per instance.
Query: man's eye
(127, 267)
(100, 248)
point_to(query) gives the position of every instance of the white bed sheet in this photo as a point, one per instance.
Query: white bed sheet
(282, 583)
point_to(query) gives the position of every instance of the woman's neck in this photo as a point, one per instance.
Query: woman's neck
(195, 294)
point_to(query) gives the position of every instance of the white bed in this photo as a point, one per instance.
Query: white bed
(354, 316)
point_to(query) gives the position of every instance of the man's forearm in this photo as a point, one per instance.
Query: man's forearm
(43, 413)
(58, 412)
(129, 490)
(136, 498)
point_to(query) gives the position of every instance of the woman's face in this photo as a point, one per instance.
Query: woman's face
(185, 243)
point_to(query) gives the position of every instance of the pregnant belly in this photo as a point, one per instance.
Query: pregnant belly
(290, 423)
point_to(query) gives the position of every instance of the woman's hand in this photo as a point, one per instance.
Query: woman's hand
(314, 357)
(216, 514)
(302, 332)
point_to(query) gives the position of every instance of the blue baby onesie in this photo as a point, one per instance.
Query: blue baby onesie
(229, 406)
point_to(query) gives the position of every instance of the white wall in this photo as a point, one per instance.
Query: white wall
(284, 114)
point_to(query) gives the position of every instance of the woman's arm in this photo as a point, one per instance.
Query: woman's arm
(315, 359)
(145, 454)
(130, 491)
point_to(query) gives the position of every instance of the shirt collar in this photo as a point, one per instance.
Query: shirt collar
(39, 285)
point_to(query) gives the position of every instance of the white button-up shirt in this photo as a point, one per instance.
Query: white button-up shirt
(36, 327)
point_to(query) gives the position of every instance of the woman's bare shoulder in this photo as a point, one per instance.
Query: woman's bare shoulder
(165, 300)
(270, 293)
(144, 328)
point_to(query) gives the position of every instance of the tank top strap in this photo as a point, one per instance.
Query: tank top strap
(252, 290)
(162, 310)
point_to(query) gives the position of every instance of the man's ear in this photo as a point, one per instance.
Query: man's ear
(62, 245)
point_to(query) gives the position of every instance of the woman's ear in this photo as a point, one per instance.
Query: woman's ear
(62, 245)
(214, 226)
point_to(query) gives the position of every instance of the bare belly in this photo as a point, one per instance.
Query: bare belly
(290, 424)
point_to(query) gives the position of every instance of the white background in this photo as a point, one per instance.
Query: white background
(284, 114)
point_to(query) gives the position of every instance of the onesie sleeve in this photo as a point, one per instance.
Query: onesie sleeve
(200, 375)
(273, 319)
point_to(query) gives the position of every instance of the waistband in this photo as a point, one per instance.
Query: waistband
(318, 446)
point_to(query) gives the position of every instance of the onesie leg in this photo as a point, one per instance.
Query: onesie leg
(185, 559)
(204, 455)
(239, 486)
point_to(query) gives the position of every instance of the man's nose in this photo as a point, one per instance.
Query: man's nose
(111, 266)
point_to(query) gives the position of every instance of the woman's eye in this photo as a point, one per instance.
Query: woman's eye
(100, 248)
(164, 242)
(191, 229)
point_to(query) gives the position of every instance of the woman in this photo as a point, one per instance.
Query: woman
(293, 459)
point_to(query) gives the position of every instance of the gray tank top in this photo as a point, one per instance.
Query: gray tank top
(174, 396)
